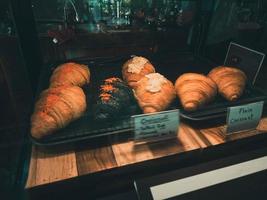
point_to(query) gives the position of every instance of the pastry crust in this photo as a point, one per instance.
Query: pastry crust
(132, 78)
(195, 90)
(231, 81)
(56, 108)
(70, 74)
(151, 102)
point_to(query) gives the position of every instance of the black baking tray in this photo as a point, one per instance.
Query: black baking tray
(85, 127)
(171, 66)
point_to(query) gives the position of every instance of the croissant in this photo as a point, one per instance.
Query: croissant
(231, 81)
(115, 99)
(195, 90)
(70, 74)
(135, 69)
(154, 93)
(56, 108)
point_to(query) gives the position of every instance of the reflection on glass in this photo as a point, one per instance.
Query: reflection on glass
(112, 15)
(242, 23)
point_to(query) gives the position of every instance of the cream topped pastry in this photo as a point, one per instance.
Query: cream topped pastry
(137, 64)
(155, 82)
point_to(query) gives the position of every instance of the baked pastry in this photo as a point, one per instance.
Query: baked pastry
(56, 108)
(231, 81)
(135, 69)
(195, 90)
(70, 74)
(154, 93)
(115, 99)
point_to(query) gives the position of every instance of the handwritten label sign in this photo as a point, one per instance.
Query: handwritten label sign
(156, 126)
(245, 117)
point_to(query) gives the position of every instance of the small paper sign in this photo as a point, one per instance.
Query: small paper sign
(245, 117)
(156, 126)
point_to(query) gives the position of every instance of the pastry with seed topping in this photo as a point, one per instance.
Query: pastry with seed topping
(115, 99)
(154, 93)
(135, 69)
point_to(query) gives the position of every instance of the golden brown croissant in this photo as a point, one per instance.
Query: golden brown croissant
(56, 108)
(231, 81)
(135, 69)
(195, 90)
(70, 74)
(154, 93)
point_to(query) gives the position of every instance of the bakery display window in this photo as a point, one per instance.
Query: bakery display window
(91, 67)
(105, 61)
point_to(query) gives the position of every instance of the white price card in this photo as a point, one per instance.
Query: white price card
(244, 117)
(156, 126)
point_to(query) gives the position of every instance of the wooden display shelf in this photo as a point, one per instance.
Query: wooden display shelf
(48, 167)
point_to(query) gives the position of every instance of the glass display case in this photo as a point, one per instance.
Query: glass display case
(80, 73)
(177, 37)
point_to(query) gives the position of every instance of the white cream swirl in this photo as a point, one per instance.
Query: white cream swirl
(155, 82)
(137, 64)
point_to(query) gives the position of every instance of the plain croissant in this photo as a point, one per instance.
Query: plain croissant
(195, 90)
(70, 74)
(56, 108)
(154, 93)
(231, 81)
(135, 69)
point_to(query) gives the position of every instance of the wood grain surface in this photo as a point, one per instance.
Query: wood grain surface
(187, 139)
(214, 135)
(217, 135)
(46, 167)
(95, 159)
(49, 167)
(128, 153)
